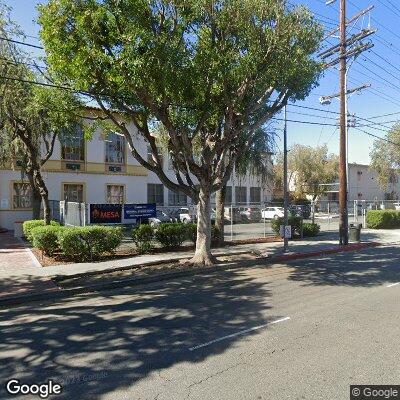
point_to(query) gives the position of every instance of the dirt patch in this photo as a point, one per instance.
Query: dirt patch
(128, 251)
(146, 271)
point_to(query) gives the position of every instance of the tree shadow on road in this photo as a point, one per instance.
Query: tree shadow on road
(102, 343)
(370, 267)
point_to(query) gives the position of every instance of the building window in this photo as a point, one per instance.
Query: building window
(73, 192)
(240, 195)
(73, 145)
(359, 175)
(228, 195)
(150, 155)
(115, 149)
(255, 195)
(22, 195)
(155, 193)
(176, 198)
(115, 194)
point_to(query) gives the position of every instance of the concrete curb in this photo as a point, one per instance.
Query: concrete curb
(66, 293)
(346, 249)
(57, 277)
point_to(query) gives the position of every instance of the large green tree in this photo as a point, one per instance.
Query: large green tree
(31, 116)
(211, 72)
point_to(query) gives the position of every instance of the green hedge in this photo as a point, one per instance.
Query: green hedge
(191, 232)
(383, 219)
(294, 221)
(45, 238)
(310, 229)
(89, 242)
(27, 227)
(171, 235)
(143, 237)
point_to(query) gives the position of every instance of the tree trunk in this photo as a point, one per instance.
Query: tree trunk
(44, 194)
(219, 214)
(36, 197)
(202, 256)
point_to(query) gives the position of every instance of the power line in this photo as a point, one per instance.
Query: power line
(313, 115)
(380, 66)
(21, 43)
(386, 61)
(378, 137)
(393, 10)
(384, 115)
(303, 122)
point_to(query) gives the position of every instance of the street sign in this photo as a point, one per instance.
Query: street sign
(134, 212)
(286, 231)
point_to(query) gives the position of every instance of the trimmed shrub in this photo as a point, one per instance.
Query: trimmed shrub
(383, 219)
(191, 232)
(45, 238)
(293, 220)
(88, 242)
(27, 226)
(143, 238)
(310, 229)
(171, 235)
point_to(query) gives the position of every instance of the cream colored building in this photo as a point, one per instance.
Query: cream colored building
(103, 170)
(364, 185)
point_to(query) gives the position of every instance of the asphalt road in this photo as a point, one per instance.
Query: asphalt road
(305, 330)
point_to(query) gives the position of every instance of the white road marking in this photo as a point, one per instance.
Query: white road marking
(238, 333)
(393, 284)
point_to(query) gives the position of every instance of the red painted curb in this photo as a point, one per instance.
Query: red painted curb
(345, 249)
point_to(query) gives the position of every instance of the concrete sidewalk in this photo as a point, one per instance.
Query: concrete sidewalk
(20, 272)
(22, 275)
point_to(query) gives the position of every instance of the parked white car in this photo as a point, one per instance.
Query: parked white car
(185, 215)
(272, 213)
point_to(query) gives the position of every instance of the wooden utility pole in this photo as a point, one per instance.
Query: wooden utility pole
(347, 48)
(343, 214)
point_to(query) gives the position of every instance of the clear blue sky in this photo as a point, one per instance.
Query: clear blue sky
(379, 67)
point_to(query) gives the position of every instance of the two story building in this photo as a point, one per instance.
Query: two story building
(103, 170)
(364, 185)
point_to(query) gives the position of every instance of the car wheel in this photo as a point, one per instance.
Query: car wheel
(276, 217)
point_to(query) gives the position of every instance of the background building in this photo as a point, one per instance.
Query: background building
(364, 185)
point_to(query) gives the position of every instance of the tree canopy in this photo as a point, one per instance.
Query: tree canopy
(211, 72)
(31, 115)
(310, 169)
(385, 157)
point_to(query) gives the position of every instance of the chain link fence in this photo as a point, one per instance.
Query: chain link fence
(244, 221)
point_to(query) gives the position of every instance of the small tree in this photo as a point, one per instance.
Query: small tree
(310, 170)
(211, 72)
(31, 117)
(385, 159)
